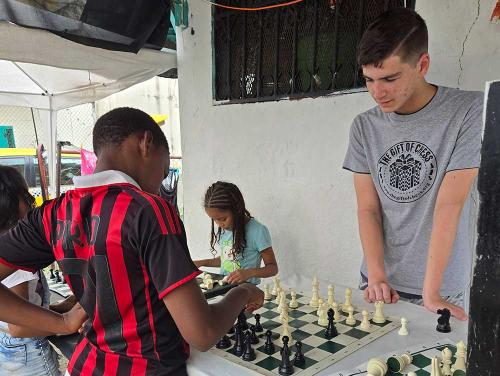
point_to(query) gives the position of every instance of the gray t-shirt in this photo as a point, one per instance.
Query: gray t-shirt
(407, 157)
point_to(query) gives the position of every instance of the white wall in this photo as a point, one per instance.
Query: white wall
(286, 156)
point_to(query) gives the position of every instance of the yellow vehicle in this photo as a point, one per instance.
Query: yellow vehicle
(26, 162)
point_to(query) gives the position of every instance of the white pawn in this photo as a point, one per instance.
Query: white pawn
(436, 367)
(267, 293)
(323, 318)
(314, 303)
(365, 323)
(376, 367)
(379, 317)
(293, 303)
(337, 317)
(446, 360)
(276, 285)
(350, 319)
(320, 306)
(460, 355)
(347, 303)
(403, 331)
(285, 331)
(331, 297)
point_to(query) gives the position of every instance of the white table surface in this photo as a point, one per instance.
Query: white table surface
(421, 323)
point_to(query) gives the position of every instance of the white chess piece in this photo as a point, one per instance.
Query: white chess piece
(279, 291)
(276, 285)
(282, 302)
(315, 283)
(347, 303)
(293, 302)
(331, 297)
(320, 306)
(397, 363)
(285, 331)
(267, 293)
(284, 313)
(350, 319)
(379, 317)
(314, 303)
(403, 331)
(446, 360)
(337, 317)
(209, 284)
(411, 373)
(365, 323)
(376, 367)
(460, 355)
(323, 318)
(436, 367)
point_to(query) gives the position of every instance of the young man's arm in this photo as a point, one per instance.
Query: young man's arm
(370, 231)
(449, 203)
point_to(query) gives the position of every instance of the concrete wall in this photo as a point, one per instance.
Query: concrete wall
(286, 156)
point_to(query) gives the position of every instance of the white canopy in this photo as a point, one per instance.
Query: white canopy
(42, 70)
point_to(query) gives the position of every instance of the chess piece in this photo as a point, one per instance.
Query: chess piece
(276, 285)
(376, 367)
(337, 317)
(249, 353)
(365, 323)
(224, 343)
(285, 332)
(293, 302)
(323, 318)
(315, 283)
(231, 330)
(209, 284)
(411, 373)
(435, 367)
(443, 325)
(350, 319)
(314, 299)
(279, 291)
(403, 331)
(299, 359)
(320, 307)
(58, 277)
(258, 325)
(399, 363)
(242, 320)
(379, 317)
(286, 367)
(269, 345)
(52, 276)
(238, 347)
(253, 338)
(446, 360)
(331, 330)
(459, 364)
(347, 303)
(267, 293)
(331, 298)
(284, 313)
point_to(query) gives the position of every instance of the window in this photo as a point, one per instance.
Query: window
(303, 50)
(17, 162)
(70, 167)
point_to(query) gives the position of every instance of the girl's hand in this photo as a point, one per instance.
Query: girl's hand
(239, 276)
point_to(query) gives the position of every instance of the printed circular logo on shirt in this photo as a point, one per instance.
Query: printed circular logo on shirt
(406, 171)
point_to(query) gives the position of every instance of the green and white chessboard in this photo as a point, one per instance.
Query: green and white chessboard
(421, 363)
(59, 288)
(319, 352)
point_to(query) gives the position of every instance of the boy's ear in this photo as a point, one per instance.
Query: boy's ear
(146, 143)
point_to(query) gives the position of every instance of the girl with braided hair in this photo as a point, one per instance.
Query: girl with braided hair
(242, 241)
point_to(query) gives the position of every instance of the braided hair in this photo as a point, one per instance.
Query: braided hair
(226, 196)
(13, 189)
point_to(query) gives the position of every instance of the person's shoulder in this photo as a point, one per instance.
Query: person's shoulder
(369, 117)
(253, 226)
(462, 97)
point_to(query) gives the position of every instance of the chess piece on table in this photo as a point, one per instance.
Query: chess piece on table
(411, 373)
(285, 332)
(350, 319)
(331, 330)
(446, 360)
(299, 359)
(459, 364)
(347, 303)
(331, 297)
(323, 318)
(279, 291)
(258, 325)
(293, 302)
(284, 313)
(403, 331)
(320, 307)
(238, 347)
(52, 276)
(399, 363)
(379, 317)
(58, 277)
(365, 323)
(267, 293)
(337, 316)
(249, 352)
(253, 338)
(224, 343)
(436, 367)
(242, 320)
(276, 285)
(376, 367)
(286, 367)
(269, 345)
(443, 325)
(314, 302)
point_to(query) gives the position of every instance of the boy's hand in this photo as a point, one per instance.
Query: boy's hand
(380, 291)
(256, 297)
(74, 319)
(239, 276)
(433, 303)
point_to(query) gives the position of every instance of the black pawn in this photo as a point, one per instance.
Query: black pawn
(52, 276)
(286, 367)
(443, 325)
(242, 321)
(249, 353)
(253, 337)
(238, 347)
(269, 346)
(58, 277)
(258, 326)
(331, 330)
(299, 359)
(224, 343)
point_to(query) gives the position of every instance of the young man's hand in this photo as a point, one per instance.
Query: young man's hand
(433, 303)
(256, 297)
(380, 291)
(74, 319)
(239, 276)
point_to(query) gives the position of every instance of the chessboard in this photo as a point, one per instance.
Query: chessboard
(421, 362)
(319, 352)
(58, 286)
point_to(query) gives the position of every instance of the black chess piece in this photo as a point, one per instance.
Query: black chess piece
(238, 347)
(443, 325)
(258, 326)
(231, 330)
(269, 346)
(249, 353)
(52, 276)
(242, 321)
(331, 330)
(299, 359)
(58, 277)
(224, 343)
(253, 337)
(286, 367)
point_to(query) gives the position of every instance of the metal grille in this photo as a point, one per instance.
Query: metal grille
(304, 50)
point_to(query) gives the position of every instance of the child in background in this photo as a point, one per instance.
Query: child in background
(243, 242)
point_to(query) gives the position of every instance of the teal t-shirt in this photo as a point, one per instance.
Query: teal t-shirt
(257, 240)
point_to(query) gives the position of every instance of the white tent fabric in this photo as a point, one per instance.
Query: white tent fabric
(42, 70)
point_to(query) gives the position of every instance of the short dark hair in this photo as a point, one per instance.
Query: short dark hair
(115, 126)
(13, 189)
(399, 31)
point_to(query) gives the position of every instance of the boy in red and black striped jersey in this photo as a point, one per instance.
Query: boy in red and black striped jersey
(124, 254)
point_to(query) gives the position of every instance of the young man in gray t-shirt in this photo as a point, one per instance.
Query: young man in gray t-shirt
(415, 157)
